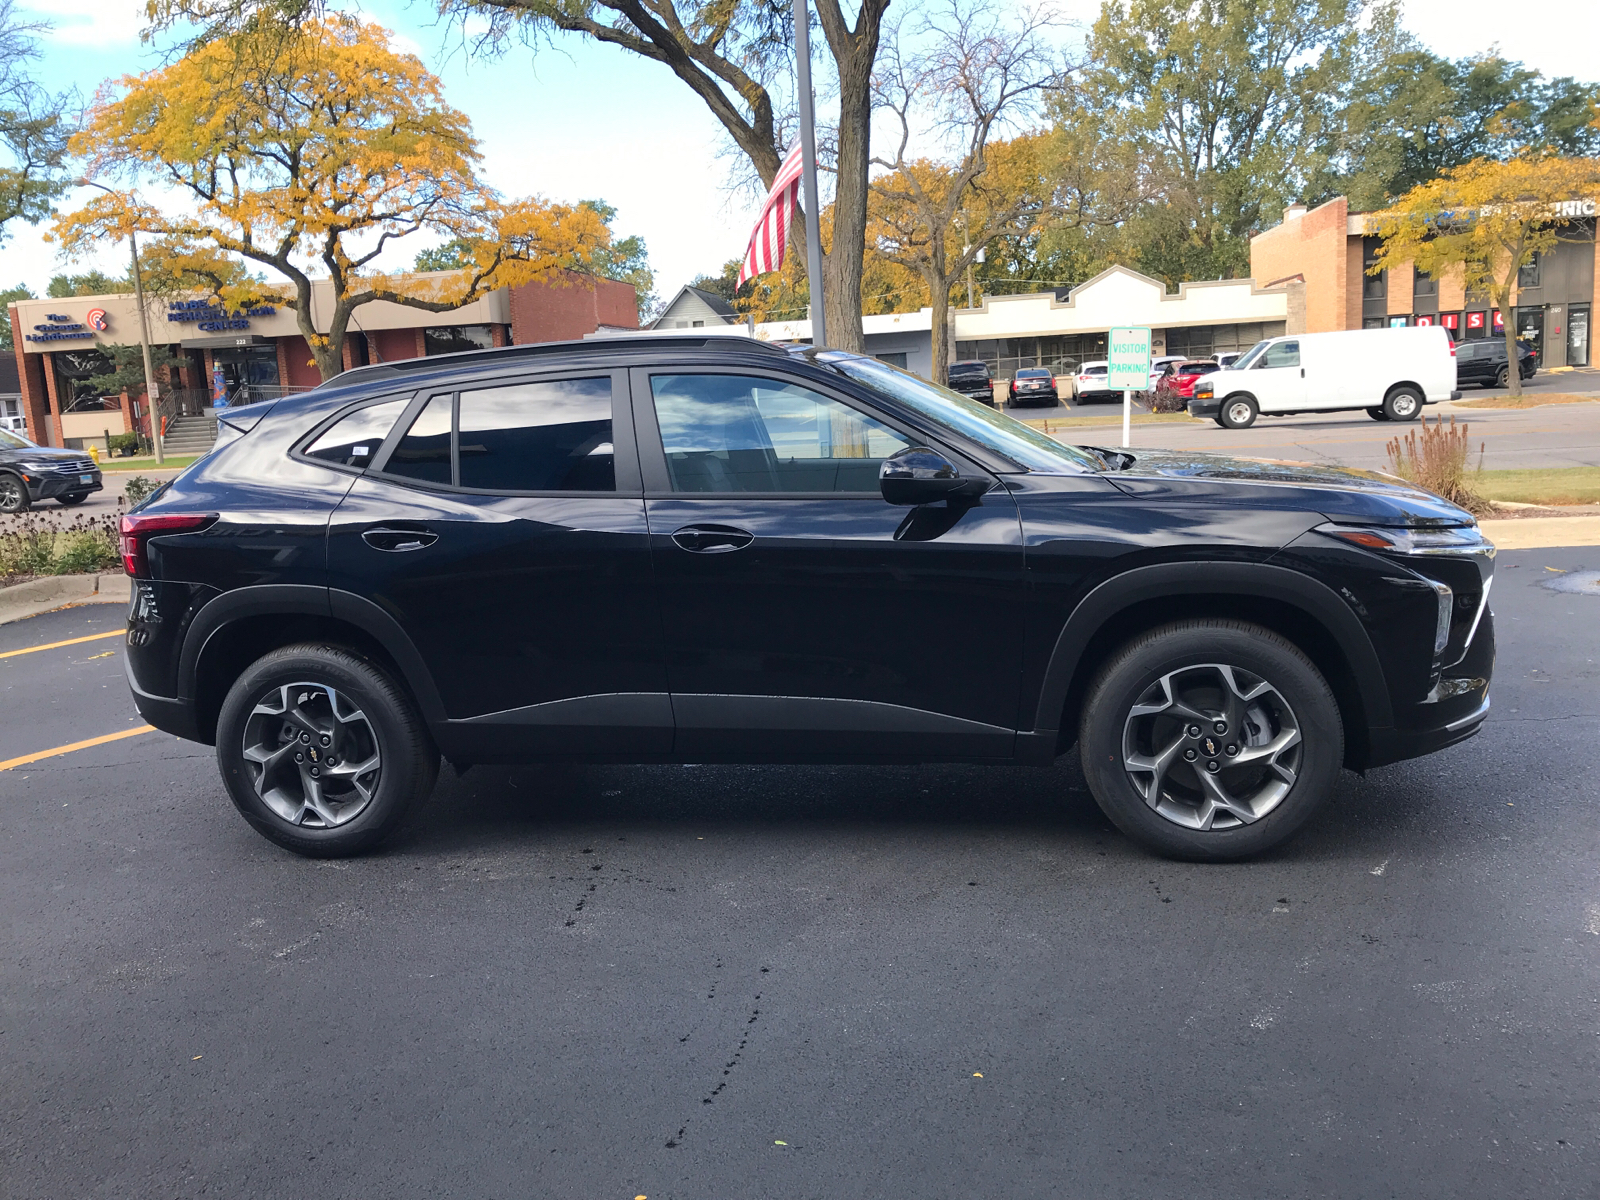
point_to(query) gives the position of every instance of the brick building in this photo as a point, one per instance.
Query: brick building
(1330, 249)
(239, 357)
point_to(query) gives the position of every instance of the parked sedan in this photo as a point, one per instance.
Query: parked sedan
(1032, 385)
(972, 380)
(30, 473)
(1176, 388)
(1483, 362)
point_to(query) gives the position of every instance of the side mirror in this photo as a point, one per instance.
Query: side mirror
(918, 475)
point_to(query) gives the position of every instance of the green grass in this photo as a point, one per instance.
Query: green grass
(1528, 400)
(133, 466)
(1557, 485)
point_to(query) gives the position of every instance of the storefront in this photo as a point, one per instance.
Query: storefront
(214, 357)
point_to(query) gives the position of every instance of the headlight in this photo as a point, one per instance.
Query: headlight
(1455, 540)
(1204, 391)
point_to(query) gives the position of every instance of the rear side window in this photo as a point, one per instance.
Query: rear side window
(536, 437)
(424, 452)
(354, 439)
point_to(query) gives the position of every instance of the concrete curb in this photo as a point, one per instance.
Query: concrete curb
(1543, 533)
(57, 591)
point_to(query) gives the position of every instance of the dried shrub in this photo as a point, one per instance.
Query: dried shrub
(1435, 458)
(137, 488)
(33, 545)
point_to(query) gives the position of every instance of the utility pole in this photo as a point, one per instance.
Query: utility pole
(808, 142)
(151, 392)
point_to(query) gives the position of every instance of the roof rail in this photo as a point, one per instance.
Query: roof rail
(539, 349)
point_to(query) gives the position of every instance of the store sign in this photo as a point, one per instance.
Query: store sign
(1475, 321)
(1575, 208)
(1451, 321)
(1397, 322)
(1424, 320)
(212, 318)
(58, 328)
(96, 319)
(1499, 322)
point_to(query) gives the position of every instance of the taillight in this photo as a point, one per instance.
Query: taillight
(138, 530)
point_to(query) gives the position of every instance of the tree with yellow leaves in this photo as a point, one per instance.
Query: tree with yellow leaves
(1488, 220)
(313, 148)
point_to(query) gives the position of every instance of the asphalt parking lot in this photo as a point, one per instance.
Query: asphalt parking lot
(721, 982)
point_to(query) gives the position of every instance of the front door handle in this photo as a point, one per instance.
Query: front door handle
(712, 539)
(383, 538)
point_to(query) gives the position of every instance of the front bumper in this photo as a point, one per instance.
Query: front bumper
(45, 486)
(1210, 406)
(1453, 711)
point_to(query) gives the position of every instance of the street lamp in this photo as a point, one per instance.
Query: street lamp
(150, 390)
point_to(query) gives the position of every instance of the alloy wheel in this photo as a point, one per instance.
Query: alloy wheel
(11, 494)
(312, 755)
(1211, 747)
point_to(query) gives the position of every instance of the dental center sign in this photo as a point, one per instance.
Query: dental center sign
(211, 318)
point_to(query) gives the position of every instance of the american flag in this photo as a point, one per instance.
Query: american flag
(770, 239)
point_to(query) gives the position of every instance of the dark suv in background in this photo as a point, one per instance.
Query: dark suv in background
(30, 473)
(972, 380)
(702, 550)
(1483, 361)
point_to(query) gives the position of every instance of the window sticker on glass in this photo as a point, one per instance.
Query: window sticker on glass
(353, 440)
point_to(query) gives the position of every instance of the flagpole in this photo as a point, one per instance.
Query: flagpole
(808, 142)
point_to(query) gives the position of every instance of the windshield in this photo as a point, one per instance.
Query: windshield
(12, 441)
(1022, 444)
(1245, 359)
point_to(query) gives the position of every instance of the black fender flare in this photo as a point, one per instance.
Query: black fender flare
(1318, 601)
(279, 599)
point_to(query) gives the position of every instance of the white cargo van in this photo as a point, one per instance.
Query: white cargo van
(1389, 373)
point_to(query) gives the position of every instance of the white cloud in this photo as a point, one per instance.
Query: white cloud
(111, 24)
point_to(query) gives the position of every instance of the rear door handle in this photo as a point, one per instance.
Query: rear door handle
(397, 540)
(712, 539)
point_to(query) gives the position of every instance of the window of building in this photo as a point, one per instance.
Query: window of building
(452, 339)
(894, 360)
(354, 439)
(550, 436)
(1423, 284)
(736, 433)
(424, 452)
(1528, 273)
(1373, 287)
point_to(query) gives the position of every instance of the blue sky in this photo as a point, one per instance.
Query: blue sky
(582, 120)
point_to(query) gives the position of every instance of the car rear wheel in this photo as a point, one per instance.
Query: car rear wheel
(13, 494)
(1403, 404)
(322, 752)
(74, 498)
(1239, 412)
(1210, 740)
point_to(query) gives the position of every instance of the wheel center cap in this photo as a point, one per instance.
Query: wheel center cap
(1209, 745)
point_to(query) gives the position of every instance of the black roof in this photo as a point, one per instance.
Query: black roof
(734, 346)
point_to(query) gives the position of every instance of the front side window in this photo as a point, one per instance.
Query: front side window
(354, 439)
(1280, 354)
(741, 433)
(424, 453)
(536, 437)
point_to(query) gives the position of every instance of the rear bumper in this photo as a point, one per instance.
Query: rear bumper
(170, 714)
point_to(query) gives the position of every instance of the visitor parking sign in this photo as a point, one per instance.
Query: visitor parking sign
(1128, 359)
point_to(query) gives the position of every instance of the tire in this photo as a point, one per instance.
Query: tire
(14, 496)
(1219, 421)
(1377, 414)
(1238, 412)
(1403, 404)
(1297, 714)
(338, 698)
(74, 498)
(1502, 377)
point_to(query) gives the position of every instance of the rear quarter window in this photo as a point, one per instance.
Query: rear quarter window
(352, 440)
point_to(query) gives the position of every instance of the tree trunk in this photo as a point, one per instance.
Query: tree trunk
(328, 357)
(933, 274)
(1513, 352)
(854, 55)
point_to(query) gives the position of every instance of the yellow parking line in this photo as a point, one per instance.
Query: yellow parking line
(83, 745)
(93, 637)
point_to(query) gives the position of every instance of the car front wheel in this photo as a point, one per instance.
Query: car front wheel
(322, 752)
(1239, 412)
(1502, 377)
(13, 494)
(1210, 740)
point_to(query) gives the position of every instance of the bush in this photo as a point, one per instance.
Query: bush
(31, 545)
(137, 488)
(1437, 460)
(123, 443)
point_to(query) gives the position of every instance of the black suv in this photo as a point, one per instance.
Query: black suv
(972, 380)
(702, 550)
(30, 473)
(1483, 362)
